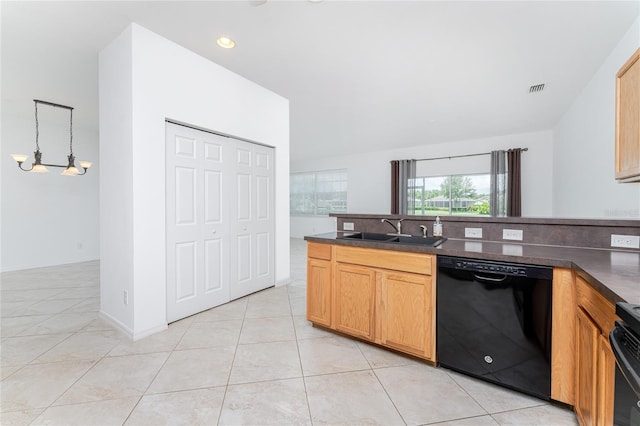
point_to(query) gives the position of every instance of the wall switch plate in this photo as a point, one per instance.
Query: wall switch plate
(625, 241)
(512, 234)
(126, 297)
(347, 226)
(473, 232)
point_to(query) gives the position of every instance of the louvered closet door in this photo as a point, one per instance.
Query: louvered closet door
(253, 219)
(197, 219)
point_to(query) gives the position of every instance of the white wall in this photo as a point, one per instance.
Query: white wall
(116, 188)
(369, 175)
(163, 80)
(584, 147)
(47, 219)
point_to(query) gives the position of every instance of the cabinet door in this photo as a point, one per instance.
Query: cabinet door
(406, 313)
(587, 368)
(628, 120)
(354, 300)
(319, 291)
(606, 379)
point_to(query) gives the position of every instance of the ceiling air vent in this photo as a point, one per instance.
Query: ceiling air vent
(536, 88)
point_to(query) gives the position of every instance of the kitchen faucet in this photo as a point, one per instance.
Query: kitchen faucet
(398, 227)
(424, 230)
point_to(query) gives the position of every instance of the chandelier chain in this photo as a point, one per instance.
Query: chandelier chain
(71, 131)
(37, 129)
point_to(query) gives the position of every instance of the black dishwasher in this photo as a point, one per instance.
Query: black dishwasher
(494, 322)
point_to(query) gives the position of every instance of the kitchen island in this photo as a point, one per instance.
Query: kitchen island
(385, 293)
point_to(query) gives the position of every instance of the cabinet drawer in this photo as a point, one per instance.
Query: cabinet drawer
(417, 263)
(319, 251)
(601, 310)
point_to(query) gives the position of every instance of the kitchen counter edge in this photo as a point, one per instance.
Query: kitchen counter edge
(615, 274)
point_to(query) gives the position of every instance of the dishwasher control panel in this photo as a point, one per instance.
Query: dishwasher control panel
(488, 267)
(502, 268)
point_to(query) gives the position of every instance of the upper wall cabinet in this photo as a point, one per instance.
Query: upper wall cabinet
(628, 120)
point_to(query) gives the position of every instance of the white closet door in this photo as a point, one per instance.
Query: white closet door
(253, 219)
(198, 228)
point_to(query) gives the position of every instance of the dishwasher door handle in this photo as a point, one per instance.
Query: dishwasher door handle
(490, 279)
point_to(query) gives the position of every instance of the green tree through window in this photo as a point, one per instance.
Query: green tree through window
(451, 195)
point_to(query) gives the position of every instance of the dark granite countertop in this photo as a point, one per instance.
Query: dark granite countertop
(616, 274)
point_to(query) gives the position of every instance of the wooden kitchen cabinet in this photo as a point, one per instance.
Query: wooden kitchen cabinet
(355, 288)
(595, 363)
(587, 334)
(606, 381)
(563, 329)
(383, 296)
(319, 278)
(406, 313)
(628, 120)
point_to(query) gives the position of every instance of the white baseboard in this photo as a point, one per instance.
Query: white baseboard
(131, 334)
(148, 332)
(285, 281)
(116, 324)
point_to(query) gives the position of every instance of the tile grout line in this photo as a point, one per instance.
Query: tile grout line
(304, 381)
(155, 376)
(387, 393)
(91, 367)
(233, 360)
(32, 361)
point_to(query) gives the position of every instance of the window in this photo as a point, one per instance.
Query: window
(318, 193)
(451, 195)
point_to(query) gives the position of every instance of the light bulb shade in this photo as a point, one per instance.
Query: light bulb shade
(225, 42)
(85, 164)
(20, 158)
(39, 168)
(70, 171)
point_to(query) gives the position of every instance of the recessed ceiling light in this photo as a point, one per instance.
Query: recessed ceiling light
(225, 42)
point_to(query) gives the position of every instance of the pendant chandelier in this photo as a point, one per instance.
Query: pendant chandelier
(38, 166)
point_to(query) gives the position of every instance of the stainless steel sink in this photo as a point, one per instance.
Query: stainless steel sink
(369, 236)
(397, 239)
(423, 241)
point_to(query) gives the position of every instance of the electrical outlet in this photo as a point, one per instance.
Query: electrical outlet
(625, 241)
(347, 226)
(512, 249)
(126, 297)
(475, 246)
(473, 232)
(512, 234)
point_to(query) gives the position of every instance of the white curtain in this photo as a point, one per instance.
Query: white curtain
(498, 204)
(407, 173)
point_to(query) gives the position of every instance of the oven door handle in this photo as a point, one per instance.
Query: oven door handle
(630, 373)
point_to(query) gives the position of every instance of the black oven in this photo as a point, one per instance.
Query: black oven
(625, 343)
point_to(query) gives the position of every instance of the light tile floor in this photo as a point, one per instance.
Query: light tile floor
(254, 361)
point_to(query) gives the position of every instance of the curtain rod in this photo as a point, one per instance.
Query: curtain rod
(460, 156)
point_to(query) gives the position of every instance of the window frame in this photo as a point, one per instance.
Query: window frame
(413, 187)
(315, 193)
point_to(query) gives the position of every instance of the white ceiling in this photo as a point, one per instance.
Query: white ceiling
(360, 75)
